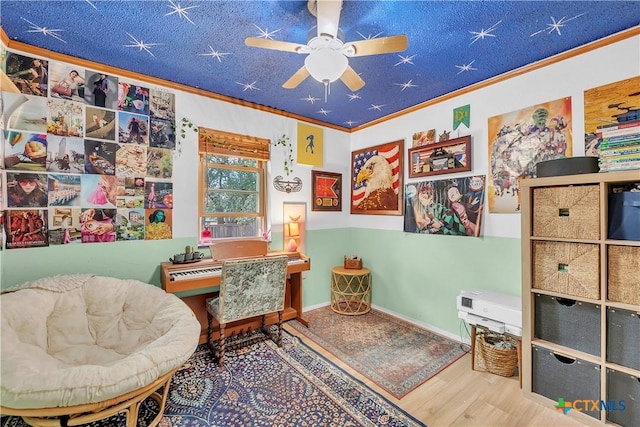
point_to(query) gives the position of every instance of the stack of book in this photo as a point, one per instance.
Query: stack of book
(619, 147)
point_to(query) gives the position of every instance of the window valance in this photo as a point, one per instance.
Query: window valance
(213, 141)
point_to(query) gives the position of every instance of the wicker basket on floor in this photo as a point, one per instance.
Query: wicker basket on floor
(497, 360)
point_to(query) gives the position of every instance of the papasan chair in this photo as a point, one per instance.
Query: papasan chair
(82, 348)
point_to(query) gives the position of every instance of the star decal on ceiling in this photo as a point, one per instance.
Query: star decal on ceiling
(376, 107)
(181, 11)
(369, 37)
(310, 99)
(556, 25)
(142, 45)
(323, 111)
(480, 35)
(405, 60)
(467, 67)
(214, 54)
(350, 122)
(91, 3)
(248, 86)
(44, 30)
(265, 34)
(405, 85)
(353, 96)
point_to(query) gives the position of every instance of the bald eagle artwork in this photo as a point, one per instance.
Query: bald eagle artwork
(377, 174)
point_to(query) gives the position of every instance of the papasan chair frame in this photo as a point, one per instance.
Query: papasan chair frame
(135, 352)
(127, 404)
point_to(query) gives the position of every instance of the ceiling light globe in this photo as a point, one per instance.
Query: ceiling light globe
(326, 65)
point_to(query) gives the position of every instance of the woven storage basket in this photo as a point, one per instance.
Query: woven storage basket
(571, 212)
(497, 360)
(353, 264)
(567, 268)
(624, 274)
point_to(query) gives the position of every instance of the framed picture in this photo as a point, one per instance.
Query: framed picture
(452, 207)
(449, 156)
(326, 191)
(376, 179)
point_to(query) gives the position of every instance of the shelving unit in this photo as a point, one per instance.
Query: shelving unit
(580, 299)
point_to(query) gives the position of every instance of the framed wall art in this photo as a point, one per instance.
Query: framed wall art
(376, 179)
(449, 156)
(451, 207)
(517, 141)
(326, 191)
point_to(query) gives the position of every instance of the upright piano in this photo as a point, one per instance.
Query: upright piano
(198, 279)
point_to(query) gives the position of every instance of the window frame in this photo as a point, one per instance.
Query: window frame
(215, 143)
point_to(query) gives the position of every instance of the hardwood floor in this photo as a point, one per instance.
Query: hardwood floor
(458, 396)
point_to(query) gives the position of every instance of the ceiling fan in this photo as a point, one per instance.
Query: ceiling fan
(327, 53)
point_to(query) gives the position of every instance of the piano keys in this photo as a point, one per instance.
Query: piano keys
(195, 273)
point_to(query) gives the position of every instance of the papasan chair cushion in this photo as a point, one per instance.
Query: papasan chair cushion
(76, 339)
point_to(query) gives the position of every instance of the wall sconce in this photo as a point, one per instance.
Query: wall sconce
(293, 225)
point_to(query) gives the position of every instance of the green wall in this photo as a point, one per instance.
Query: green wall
(419, 276)
(134, 260)
(416, 276)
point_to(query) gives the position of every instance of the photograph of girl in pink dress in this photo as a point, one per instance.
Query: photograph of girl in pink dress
(99, 191)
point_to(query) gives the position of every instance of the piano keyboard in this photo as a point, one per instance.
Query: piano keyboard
(204, 272)
(195, 273)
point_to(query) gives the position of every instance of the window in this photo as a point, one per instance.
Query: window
(232, 185)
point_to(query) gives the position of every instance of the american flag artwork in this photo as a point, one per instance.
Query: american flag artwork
(391, 152)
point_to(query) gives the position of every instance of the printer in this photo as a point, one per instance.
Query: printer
(497, 312)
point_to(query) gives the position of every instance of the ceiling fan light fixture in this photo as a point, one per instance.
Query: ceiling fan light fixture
(326, 65)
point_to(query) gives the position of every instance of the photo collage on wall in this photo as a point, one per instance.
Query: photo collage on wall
(86, 157)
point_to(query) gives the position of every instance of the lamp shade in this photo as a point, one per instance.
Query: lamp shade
(326, 65)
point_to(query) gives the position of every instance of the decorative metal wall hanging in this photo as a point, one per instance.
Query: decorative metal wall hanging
(287, 186)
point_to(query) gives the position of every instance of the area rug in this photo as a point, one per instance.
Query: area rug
(264, 386)
(395, 354)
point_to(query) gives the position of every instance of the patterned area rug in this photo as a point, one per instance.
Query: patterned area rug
(264, 386)
(396, 355)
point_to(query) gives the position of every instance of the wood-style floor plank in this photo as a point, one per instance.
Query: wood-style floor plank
(458, 396)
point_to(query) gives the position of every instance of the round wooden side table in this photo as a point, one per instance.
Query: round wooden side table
(350, 290)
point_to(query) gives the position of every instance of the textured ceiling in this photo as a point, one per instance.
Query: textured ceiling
(451, 45)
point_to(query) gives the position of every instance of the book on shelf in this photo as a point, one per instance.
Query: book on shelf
(632, 149)
(619, 166)
(625, 155)
(623, 131)
(622, 138)
(617, 146)
(618, 125)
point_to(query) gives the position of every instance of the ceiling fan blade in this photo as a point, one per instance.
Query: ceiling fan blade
(375, 46)
(328, 13)
(297, 78)
(351, 79)
(273, 44)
